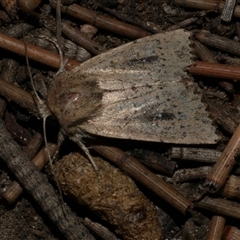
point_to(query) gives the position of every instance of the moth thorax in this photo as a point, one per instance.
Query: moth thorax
(73, 104)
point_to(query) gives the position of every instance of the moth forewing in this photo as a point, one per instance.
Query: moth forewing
(137, 91)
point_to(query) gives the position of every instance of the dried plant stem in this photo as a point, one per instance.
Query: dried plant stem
(43, 193)
(135, 169)
(220, 116)
(220, 206)
(206, 56)
(215, 70)
(21, 97)
(99, 230)
(101, 21)
(195, 154)
(218, 42)
(231, 233)
(216, 228)
(182, 24)
(82, 40)
(231, 188)
(184, 175)
(34, 53)
(210, 5)
(220, 172)
(228, 9)
(40, 160)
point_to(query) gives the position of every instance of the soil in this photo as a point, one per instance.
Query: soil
(24, 219)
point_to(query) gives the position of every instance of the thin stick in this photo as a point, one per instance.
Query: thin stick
(220, 172)
(39, 188)
(40, 160)
(101, 21)
(216, 228)
(215, 70)
(218, 42)
(35, 53)
(228, 9)
(220, 206)
(82, 40)
(195, 154)
(210, 5)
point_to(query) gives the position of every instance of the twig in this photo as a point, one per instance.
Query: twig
(228, 9)
(216, 228)
(231, 188)
(220, 172)
(36, 184)
(216, 41)
(195, 154)
(231, 233)
(101, 21)
(82, 40)
(99, 230)
(210, 5)
(182, 24)
(206, 56)
(188, 174)
(215, 70)
(220, 206)
(34, 53)
(40, 160)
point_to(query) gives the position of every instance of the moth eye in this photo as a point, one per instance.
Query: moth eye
(73, 97)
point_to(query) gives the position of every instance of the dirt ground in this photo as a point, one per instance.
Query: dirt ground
(24, 219)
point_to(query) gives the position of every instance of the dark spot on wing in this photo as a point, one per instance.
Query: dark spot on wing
(144, 60)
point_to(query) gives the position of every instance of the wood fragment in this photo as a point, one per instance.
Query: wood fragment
(206, 56)
(36, 184)
(8, 72)
(220, 206)
(33, 52)
(188, 174)
(209, 5)
(16, 94)
(101, 21)
(228, 10)
(218, 42)
(222, 168)
(215, 70)
(82, 40)
(40, 160)
(182, 24)
(100, 230)
(231, 233)
(195, 154)
(221, 116)
(231, 188)
(216, 228)
(155, 161)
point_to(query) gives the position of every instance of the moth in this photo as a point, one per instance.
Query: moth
(139, 91)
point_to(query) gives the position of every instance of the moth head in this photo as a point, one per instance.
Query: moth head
(73, 99)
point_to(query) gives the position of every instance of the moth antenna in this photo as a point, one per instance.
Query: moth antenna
(60, 52)
(30, 75)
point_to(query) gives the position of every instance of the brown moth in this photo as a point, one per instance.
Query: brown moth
(137, 91)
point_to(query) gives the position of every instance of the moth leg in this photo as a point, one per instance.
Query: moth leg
(86, 151)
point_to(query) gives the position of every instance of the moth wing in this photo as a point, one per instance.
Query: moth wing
(147, 95)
